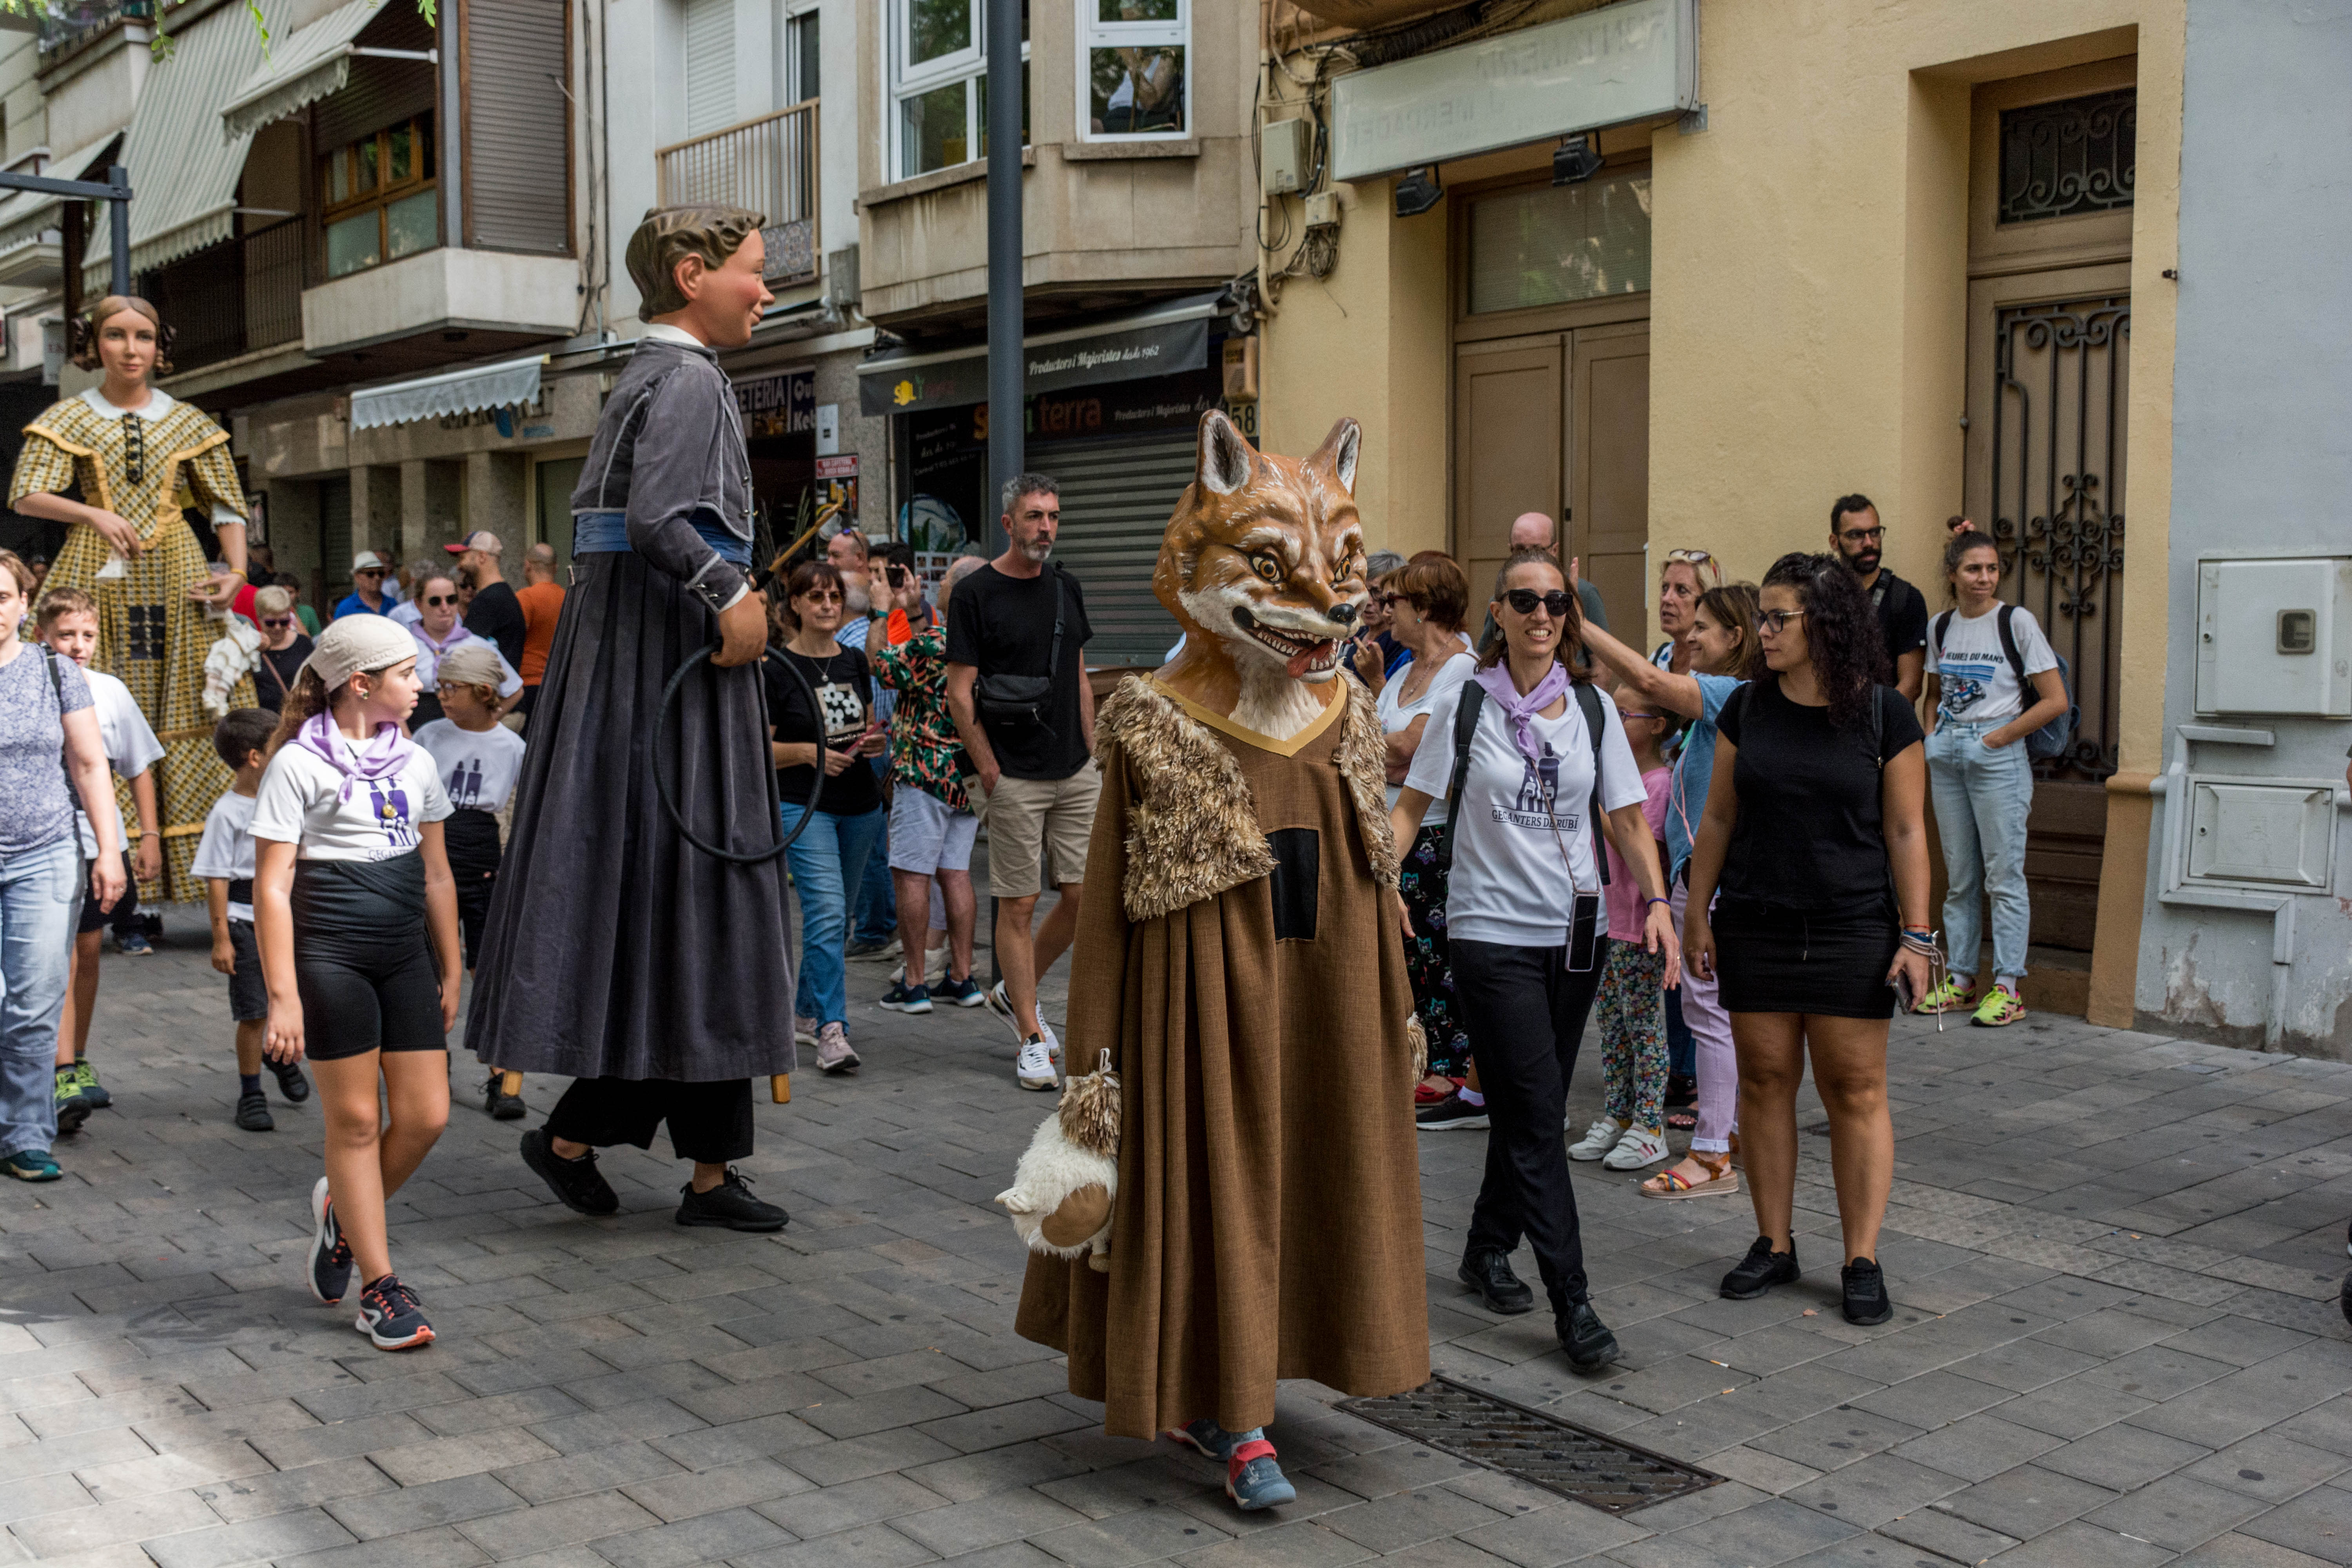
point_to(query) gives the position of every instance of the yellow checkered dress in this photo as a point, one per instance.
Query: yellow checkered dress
(151, 635)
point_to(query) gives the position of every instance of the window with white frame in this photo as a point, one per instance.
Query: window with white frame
(938, 82)
(1132, 61)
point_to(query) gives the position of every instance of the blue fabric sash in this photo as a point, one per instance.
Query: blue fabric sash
(594, 531)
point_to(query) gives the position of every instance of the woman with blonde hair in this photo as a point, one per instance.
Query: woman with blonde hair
(284, 647)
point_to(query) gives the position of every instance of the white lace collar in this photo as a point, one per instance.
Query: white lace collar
(159, 403)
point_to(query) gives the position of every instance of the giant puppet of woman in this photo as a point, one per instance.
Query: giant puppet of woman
(139, 458)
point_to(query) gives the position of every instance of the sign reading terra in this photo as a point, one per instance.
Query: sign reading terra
(1623, 62)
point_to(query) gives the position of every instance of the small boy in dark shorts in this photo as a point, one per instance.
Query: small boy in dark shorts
(224, 860)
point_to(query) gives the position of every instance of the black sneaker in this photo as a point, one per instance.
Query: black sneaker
(253, 1112)
(390, 1318)
(1761, 1270)
(1488, 1273)
(1866, 1302)
(330, 1254)
(1452, 1113)
(904, 998)
(576, 1184)
(73, 1108)
(502, 1106)
(729, 1204)
(1585, 1338)
(290, 1081)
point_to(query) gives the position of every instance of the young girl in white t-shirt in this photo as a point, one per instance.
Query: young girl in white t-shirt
(358, 922)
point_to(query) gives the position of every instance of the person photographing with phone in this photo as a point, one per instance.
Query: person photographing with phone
(1815, 834)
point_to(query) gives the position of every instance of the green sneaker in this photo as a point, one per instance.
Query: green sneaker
(1951, 996)
(1999, 1008)
(31, 1165)
(86, 1076)
(72, 1109)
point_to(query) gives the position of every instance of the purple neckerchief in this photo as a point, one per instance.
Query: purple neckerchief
(458, 633)
(387, 755)
(1496, 678)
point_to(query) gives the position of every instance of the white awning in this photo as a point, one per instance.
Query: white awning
(509, 384)
(183, 172)
(316, 61)
(26, 214)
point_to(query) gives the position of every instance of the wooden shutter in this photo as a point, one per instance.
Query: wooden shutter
(518, 151)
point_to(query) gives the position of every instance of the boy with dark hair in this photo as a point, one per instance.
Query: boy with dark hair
(224, 860)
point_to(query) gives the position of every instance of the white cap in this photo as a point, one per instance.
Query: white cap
(356, 643)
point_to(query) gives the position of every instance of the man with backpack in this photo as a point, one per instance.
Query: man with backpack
(2000, 691)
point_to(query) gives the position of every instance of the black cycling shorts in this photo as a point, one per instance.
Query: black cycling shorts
(362, 964)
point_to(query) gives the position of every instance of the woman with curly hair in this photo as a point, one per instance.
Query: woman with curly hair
(1814, 836)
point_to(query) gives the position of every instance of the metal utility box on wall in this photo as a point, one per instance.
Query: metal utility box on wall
(2261, 833)
(1284, 150)
(2275, 636)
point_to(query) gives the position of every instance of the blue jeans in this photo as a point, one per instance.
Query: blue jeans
(826, 862)
(40, 901)
(1982, 796)
(877, 914)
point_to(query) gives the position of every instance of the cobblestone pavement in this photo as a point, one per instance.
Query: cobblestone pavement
(2114, 1259)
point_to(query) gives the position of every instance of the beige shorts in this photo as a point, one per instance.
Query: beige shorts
(1028, 818)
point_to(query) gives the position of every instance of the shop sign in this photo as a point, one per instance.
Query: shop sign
(1093, 359)
(836, 487)
(1630, 61)
(778, 405)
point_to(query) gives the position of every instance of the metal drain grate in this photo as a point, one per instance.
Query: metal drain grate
(1543, 1450)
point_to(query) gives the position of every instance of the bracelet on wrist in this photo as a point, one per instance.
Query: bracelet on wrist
(1668, 902)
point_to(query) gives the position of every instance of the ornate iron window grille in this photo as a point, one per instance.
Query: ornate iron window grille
(2076, 155)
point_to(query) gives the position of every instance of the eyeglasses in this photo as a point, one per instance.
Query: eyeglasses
(1864, 535)
(822, 596)
(438, 599)
(1391, 601)
(1525, 600)
(1777, 621)
(1637, 715)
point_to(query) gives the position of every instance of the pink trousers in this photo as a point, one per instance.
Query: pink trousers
(1715, 1058)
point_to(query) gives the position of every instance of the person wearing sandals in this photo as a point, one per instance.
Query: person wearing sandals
(1724, 654)
(1994, 681)
(1538, 772)
(1815, 834)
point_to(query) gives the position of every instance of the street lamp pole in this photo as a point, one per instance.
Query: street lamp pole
(1007, 378)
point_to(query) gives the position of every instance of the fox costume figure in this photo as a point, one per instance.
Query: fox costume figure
(1242, 968)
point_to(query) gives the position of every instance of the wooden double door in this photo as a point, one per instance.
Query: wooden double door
(1558, 423)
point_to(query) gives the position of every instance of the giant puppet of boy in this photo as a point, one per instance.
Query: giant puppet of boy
(1248, 981)
(617, 954)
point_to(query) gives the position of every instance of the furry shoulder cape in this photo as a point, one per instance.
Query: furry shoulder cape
(1193, 831)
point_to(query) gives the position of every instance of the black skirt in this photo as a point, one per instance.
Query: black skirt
(1774, 959)
(615, 949)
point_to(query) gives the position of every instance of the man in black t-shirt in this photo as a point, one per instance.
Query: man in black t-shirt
(1033, 760)
(1859, 539)
(496, 615)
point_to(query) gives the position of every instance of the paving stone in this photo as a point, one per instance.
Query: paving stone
(2083, 1545)
(2177, 1512)
(2271, 1467)
(1771, 1531)
(2121, 1457)
(278, 1535)
(1872, 1491)
(966, 1527)
(1835, 1438)
(734, 1533)
(2027, 1501)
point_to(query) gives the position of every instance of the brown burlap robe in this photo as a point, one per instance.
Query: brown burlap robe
(1268, 1218)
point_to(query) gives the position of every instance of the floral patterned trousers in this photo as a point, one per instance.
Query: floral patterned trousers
(1633, 1035)
(1422, 883)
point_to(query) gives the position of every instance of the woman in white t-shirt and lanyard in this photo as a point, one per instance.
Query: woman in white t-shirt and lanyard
(1979, 775)
(1523, 921)
(1428, 599)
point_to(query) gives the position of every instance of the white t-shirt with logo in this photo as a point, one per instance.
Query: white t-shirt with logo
(1979, 686)
(226, 850)
(302, 802)
(477, 767)
(1509, 884)
(1397, 714)
(128, 741)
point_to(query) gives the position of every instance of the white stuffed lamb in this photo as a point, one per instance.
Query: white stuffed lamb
(1063, 1190)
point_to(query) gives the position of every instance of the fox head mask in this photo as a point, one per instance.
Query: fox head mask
(1262, 566)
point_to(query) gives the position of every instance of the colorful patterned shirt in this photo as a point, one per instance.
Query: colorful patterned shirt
(923, 740)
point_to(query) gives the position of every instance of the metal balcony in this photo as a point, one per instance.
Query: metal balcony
(767, 164)
(234, 298)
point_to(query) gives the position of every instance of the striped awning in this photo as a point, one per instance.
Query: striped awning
(507, 384)
(25, 216)
(316, 61)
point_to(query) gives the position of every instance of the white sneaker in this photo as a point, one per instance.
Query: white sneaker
(804, 1032)
(935, 966)
(1040, 1064)
(833, 1051)
(1599, 1138)
(1638, 1148)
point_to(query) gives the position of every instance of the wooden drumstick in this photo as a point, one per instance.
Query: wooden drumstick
(780, 1088)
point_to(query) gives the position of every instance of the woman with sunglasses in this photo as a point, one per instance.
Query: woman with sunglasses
(1523, 919)
(438, 632)
(283, 646)
(1815, 833)
(823, 748)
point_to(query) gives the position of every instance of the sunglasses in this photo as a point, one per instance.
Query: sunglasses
(437, 599)
(1694, 557)
(1777, 621)
(822, 596)
(1554, 603)
(369, 571)
(277, 620)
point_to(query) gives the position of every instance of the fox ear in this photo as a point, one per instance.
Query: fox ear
(1225, 458)
(1337, 455)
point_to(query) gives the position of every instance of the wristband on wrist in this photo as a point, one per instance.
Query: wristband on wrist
(1668, 902)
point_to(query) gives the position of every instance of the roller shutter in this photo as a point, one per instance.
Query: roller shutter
(334, 544)
(519, 126)
(1117, 497)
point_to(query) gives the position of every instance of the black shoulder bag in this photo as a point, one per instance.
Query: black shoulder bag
(1016, 700)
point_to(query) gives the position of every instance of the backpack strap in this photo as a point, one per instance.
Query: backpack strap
(1465, 728)
(2009, 645)
(1588, 698)
(57, 686)
(1943, 630)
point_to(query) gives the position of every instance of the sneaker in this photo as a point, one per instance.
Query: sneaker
(1040, 1064)
(253, 1112)
(833, 1052)
(133, 943)
(1206, 1437)
(1252, 1479)
(1866, 1302)
(576, 1184)
(330, 1254)
(91, 1089)
(1000, 1002)
(1760, 1270)
(501, 1105)
(31, 1165)
(728, 1206)
(903, 998)
(72, 1109)
(1451, 1114)
(1489, 1273)
(875, 950)
(1425, 1093)
(964, 993)
(1585, 1338)
(1599, 1138)
(804, 1032)
(389, 1317)
(2000, 1008)
(1951, 996)
(290, 1081)
(1638, 1148)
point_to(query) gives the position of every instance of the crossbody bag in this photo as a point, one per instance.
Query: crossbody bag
(1016, 700)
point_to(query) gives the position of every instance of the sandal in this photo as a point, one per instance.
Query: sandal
(1721, 1179)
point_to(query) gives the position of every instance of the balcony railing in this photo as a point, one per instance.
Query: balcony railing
(66, 24)
(767, 164)
(235, 297)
